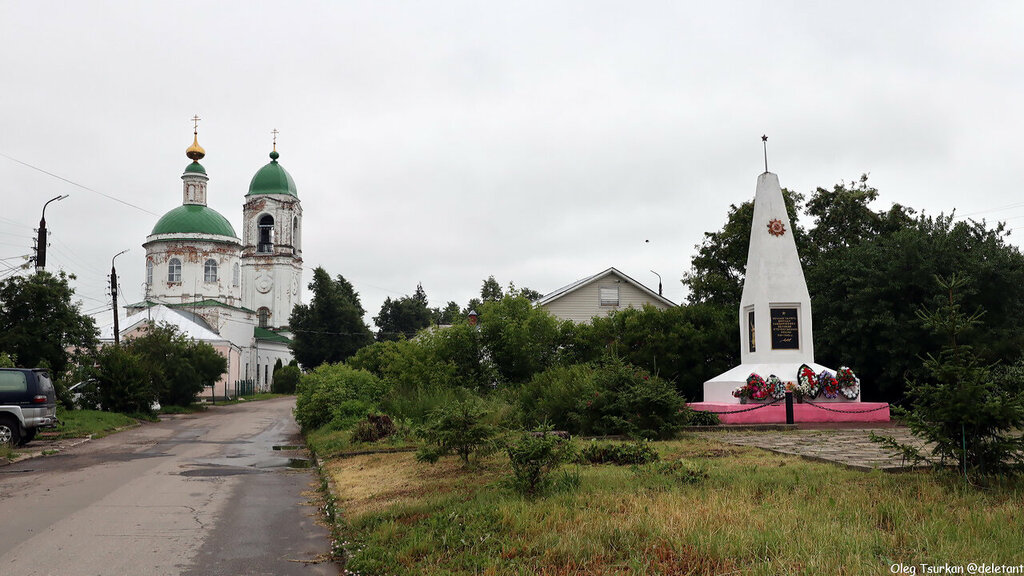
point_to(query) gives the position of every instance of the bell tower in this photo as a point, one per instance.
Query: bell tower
(272, 245)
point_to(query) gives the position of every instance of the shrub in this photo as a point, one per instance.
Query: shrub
(459, 428)
(286, 379)
(610, 398)
(124, 381)
(622, 454)
(336, 392)
(178, 368)
(372, 428)
(700, 418)
(558, 396)
(632, 401)
(535, 457)
(409, 364)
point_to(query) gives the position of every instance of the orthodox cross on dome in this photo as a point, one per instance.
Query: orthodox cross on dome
(274, 132)
(764, 141)
(195, 151)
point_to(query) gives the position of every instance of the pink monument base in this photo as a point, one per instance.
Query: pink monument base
(776, 414)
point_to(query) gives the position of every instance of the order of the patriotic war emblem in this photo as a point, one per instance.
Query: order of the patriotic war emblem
(776, 227)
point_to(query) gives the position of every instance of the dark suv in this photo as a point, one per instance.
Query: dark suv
(27, 403)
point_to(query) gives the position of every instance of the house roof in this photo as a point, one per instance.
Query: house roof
(551, 296)
(191, 325)
(186, 305)
(269, 335)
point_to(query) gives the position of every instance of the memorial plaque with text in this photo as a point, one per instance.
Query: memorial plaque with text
(785, 328)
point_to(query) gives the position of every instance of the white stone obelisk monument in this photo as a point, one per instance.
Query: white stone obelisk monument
(775, 309)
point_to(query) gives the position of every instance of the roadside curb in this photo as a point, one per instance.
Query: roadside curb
(39, 451)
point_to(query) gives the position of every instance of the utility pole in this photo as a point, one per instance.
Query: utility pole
(41, 238)
(113, 294)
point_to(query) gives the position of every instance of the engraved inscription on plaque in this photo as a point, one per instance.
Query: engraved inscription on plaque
(785, 328)
(750, 327)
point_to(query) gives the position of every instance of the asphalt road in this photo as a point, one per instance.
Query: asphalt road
(193, 495)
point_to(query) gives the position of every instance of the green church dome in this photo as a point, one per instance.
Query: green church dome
(195, 167)
(194, 219)
(272, 179)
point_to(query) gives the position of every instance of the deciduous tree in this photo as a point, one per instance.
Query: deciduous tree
(39, 323)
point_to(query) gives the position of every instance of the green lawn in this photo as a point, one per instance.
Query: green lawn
(755, 512)
(95, 423)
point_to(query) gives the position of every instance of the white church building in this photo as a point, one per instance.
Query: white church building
(235, 293)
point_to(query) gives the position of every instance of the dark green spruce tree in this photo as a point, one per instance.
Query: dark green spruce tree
(330, 328)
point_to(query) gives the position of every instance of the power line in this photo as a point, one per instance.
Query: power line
(73, 183)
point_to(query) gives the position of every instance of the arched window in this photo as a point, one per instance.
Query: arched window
(174, 270)
(265, 227)
(210, 271)
(149, 271)
(264, 315)
(235, 276)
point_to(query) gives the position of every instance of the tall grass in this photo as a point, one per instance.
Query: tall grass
(754, 513)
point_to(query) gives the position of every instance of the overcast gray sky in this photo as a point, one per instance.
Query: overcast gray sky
(541, 142)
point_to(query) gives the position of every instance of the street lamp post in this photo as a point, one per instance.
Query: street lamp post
(113, 294)
(659, 281)
(41, 238)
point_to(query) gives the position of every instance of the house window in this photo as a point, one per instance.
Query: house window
(265, 227)
(210, 271)
(235, 276)
(149, 271)
(608, 295)
(264, 315)
(174, 270)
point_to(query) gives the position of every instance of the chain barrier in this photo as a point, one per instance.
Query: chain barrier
(758, 407)
(882, 407)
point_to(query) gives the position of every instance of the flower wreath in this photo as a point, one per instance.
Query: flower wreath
(807, 382)
(776, 387)
(755, 388)
(849, 384)
(828, 384)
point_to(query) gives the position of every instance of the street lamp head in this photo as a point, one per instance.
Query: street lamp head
(115, 256)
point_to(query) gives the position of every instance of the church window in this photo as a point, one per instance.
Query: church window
(264, 315)
(174, 270)
(266, 233)
(210, 271)
(235, 276)
(149, 271)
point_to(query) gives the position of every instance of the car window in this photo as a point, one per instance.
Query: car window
(45, 386)
(13, 381)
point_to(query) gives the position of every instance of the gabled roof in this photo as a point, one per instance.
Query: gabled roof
(191, 325)
(548, 298)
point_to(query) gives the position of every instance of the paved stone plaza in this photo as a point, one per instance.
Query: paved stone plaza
(849, 447)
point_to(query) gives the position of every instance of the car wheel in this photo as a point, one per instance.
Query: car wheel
(10, 431)
(29, 436)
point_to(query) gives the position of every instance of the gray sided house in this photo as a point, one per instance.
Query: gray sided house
(600, 295)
